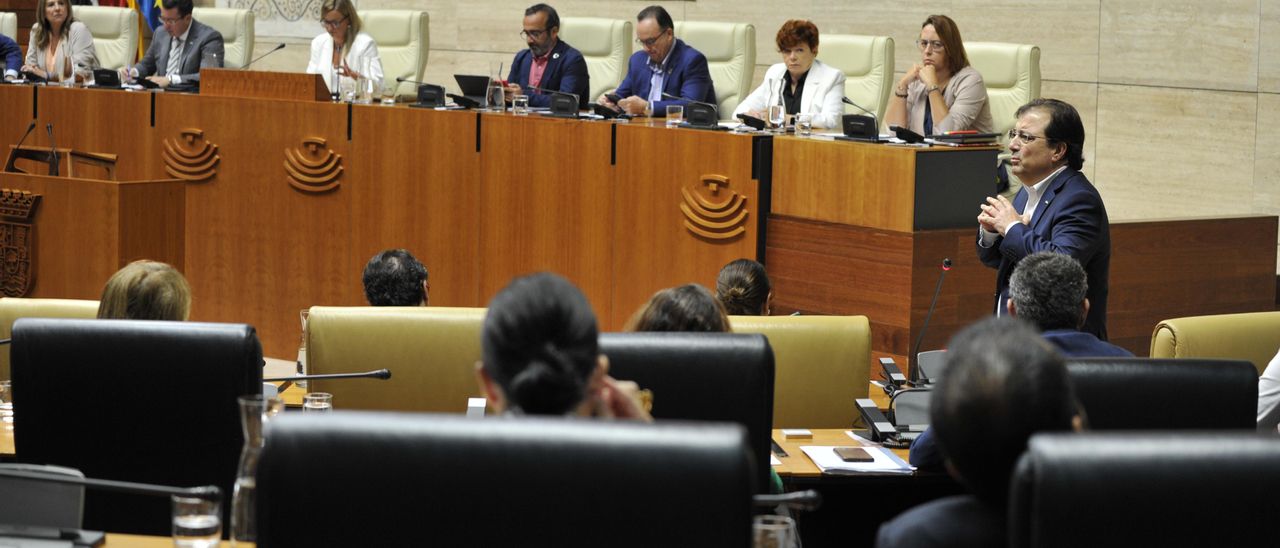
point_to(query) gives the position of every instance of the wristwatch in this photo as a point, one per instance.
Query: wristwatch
(933, 88)
(902, 95)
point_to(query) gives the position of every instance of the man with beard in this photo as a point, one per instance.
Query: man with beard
(549, 63)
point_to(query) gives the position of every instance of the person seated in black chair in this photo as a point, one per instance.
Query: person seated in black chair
(146, 290)
(1048, 290)
(686, 308)
(745, 289)
(540, 354)
(1002, 384)
(395, 277)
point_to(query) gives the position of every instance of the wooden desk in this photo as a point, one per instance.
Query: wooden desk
(120, 540)
(798, 465)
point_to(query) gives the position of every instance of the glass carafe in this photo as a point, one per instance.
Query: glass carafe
(255, 411)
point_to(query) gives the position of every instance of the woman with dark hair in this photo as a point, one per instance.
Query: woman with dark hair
(744, 289)
(942, 92)
(685, 308)
(343, 46)
(540, 354)
(146, 290)
(61, 47)
(800, 83)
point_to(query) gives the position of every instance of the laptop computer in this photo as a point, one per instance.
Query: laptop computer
(473, 87)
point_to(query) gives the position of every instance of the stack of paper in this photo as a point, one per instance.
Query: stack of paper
(824, 456)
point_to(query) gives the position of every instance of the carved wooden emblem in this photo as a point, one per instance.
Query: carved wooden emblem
(314, 167)
(17, 237)
(720, 216)
(190, 157)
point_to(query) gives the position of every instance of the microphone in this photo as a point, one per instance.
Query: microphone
(382, 374)
(806, 500)
(13, 156)
(53, 153)
(698, 113)
(560, 102)
(849, 101)
(946, 267)
(402, 79)
(30, 128)
(858, 127)
(205, 492)
(278, 47)
(691, 101)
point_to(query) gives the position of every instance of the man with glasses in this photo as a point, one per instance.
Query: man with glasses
(177, 54)
(549, 63)
(665, 64)
(1057, 210)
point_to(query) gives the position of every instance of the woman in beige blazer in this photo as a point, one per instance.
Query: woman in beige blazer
(60, 46)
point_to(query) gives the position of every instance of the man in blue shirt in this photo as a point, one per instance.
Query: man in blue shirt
(12, 55)
(665, 64)
(549, 63)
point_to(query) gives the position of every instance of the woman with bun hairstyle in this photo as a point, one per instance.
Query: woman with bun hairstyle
(540, 354)
(744, 288)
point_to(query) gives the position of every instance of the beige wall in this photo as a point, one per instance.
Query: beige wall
(1150, 77)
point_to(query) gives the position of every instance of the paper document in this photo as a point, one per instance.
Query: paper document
(773, 461)
(824, 456)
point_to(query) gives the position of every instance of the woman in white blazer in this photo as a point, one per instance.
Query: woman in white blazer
(801, 83)
(60, 45)
(342, 46)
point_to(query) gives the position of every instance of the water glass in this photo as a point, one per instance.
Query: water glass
(317, 402)
(804, 125)
(773, 531)
(520, 105)
(197, 522)
(675, 115)
(6, 404)
(389, 87)
(777, 115)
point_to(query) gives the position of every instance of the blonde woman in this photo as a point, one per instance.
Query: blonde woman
(342, 47)
(146, 290)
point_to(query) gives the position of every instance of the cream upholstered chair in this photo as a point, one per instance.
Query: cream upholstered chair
(431, 352)
(9, 24)
(13, 308)
(605, 44)
(1252, 336)
(403, 38)
(821, 364)
(867, 63)
(115, 34)
(236, 27)
(1012, 75)
(731, 57)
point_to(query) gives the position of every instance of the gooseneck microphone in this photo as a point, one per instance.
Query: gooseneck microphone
(14, 155)
(278, 47)
(678, 98)
(53, 153)
(849, 101)
(382, 374)
(205, 492)
(31, 127)
(402, 79)
(946, 267)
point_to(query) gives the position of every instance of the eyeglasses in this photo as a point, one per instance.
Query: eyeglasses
(167, 21)
(533, 34)
(937, 45)
(1025, 137)
(650, 42)
(328, 24)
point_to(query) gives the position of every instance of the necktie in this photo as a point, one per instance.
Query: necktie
(175, 58)
(928, 117)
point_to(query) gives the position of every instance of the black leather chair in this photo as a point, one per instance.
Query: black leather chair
(353, 478)
(704, 377)
(1145, 489)
(1166, 394)
(143, 401)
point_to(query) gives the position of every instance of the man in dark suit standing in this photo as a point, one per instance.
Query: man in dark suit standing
(664, 64)
(1057, 210)
(177, 55)
(549, 63)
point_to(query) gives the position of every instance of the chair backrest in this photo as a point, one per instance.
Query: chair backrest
(115, 33)
(731, 57)
(702, 376)
(403, 38)
(12, 308)
(452, 481)
(821, 365)
(1252, 336)
(867, 63)
(145, 401)
(1011, 73)
(1150, 489)
(605, 44)
(431, 352)
(36, 503)
(236, 27)
(9, 24)
(1166, 394)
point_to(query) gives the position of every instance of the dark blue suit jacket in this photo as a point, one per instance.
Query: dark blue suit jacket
(687, 77)
(566, 71)
(11, 53)
(955, 522)
(1070, 219)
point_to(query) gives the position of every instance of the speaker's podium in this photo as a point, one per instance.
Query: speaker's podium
(66, 224)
